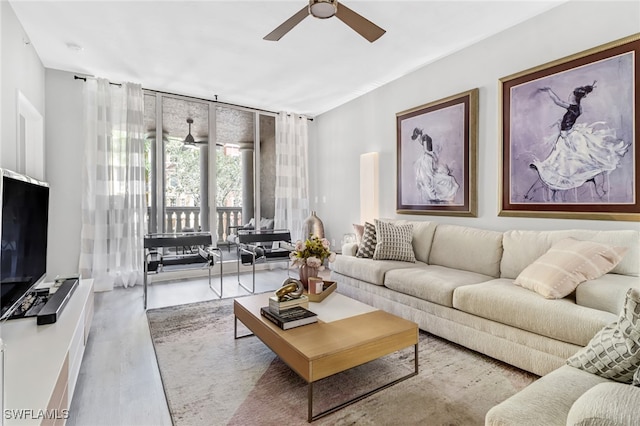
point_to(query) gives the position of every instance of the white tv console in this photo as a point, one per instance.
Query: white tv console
(42, 362)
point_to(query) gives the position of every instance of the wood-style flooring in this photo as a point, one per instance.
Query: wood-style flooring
(119, 381)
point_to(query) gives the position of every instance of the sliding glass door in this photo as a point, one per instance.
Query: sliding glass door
(234, 172)
(209, 167)
(246, 169)
(177, 164)
(185, 126)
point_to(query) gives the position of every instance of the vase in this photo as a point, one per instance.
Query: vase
(307, 271)
(313, 226)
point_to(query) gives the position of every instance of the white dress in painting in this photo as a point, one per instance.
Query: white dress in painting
(581, 151)
(435, 182)
(580, 155)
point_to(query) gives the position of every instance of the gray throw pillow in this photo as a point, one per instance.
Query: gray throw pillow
(368, 243)
(614, 352)
(394, 242)
(636, 378)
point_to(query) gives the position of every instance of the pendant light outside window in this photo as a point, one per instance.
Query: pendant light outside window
(189, 141)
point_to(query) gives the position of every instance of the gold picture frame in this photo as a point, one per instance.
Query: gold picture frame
(568, 131)
(437, 157)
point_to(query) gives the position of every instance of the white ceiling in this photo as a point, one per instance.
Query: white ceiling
(208, 48)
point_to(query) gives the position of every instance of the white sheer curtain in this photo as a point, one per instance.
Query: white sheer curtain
(292, 177)
(113, 203)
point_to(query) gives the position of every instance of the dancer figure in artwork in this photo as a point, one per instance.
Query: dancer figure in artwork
(435, 182)
(581, 153)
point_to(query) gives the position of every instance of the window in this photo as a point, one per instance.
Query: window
(178, 166)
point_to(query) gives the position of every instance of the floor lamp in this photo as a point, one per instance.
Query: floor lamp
(369, 187)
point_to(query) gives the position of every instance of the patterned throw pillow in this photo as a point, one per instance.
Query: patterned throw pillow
(568, 263)
(394, 242)
(368, 243)
(614, 352)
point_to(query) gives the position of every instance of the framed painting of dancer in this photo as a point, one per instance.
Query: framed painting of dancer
(437, 157)
(569, 132)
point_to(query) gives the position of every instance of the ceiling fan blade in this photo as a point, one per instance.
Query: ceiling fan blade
(359, 23)
(287, 25)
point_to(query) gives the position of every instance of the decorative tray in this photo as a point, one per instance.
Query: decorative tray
(329, 287)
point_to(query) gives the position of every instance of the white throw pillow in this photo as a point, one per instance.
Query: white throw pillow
(359, 231)
(568, 263)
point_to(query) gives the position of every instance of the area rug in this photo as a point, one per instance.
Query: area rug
(210, 378)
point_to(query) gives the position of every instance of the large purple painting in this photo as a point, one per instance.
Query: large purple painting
(569, 137)
(436, 157)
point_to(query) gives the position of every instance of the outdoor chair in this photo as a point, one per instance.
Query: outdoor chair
(191, 248)
(234, 230)
(264, 246)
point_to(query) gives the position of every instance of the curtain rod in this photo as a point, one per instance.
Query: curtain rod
(84, 78)
(77, 77)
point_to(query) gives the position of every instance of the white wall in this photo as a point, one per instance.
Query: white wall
(63, 131)
(366, 124)
(22, 71)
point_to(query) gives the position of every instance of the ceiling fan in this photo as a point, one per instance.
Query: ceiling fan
(189, 141)
(324, 9)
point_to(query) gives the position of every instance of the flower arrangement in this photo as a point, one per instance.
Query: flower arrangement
(312, 253)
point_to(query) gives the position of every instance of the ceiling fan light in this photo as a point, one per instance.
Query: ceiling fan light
(189, 145)
(323, 9)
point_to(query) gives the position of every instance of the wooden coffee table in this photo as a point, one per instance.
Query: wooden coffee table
(348, 333)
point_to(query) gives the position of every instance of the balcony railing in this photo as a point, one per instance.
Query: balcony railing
(228, 216)
(177, 219)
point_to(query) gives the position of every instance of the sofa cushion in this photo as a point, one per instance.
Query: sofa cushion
(422, 237)
(499, 300)
(465, 248)
(368, 243)
(431, 282)
(546, 401)
(606, 293)
(522, 248)
(394, 242)
(606, 404)
(368, 270)
(614, 352)
(636, 378)
(566, 264)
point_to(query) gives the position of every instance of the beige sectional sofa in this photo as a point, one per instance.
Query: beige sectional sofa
(461, 288)
(569, 396)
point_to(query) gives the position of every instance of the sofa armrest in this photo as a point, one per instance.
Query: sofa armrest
(607, 404)
(349, 249)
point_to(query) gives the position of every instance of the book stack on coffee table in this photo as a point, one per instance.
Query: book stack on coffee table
(277, 306)
(289, 318)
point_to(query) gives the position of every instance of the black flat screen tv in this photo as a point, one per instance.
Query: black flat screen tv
(24, 215)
